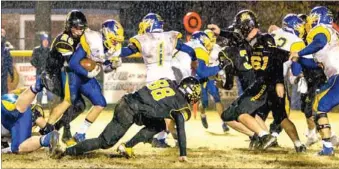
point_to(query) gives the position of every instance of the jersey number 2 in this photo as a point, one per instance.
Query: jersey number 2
(160, 89)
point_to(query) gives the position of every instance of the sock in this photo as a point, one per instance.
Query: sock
(84, 127)
(297, 143)
(275, 134)
(262, 133)
(45, 139)
(311, 132)
(327, 143)
(162, 135)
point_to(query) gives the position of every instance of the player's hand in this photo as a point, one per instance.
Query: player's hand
(252, 34)
(294, 56)
(214, 28)
(194, 64)
(94, 72)
(183, 159)
(280, 89)
(273, 28)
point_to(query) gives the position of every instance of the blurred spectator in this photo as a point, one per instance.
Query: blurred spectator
(6, 64)
(39, 56)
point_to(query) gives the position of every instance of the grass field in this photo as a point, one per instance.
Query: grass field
(206, 149)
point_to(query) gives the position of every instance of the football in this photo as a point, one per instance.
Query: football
(88, 64)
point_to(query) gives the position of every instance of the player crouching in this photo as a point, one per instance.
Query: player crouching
(149, 106)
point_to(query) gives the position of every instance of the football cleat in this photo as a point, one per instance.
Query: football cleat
(79, 137)
(204, 122)
(326, 151)
(53, 142)
(335, 140)
(125, 151)
(255, 142)
(300, 149)
(160, 143)
(275, 143)
(267, 141)
(225, 128)
(66, 135)
(311, 140)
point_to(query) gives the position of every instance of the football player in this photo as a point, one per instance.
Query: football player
(149, 106)
(157, 46)
(267, 63)
(323, 43)
(18, 126)
(293, 41)
(55, 75)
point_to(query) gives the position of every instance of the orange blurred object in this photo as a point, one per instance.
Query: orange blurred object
(192, 22)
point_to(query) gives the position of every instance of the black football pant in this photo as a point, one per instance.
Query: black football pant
(124, 117)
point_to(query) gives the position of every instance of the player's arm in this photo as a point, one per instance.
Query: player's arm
(203, 71)
(133, 47)
(187, 49)
(74, 63)
(227, 82)
(317, 38)
(180, 117)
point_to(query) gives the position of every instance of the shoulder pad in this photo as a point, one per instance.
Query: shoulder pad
(91, 41)
(317, 30)
(176, 34)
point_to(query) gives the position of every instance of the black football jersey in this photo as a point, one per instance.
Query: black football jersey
(62, 49)
(158, 99)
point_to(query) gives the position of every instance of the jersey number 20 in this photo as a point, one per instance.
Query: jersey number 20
(160, 89)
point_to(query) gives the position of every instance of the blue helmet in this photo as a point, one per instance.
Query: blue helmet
(113, 34)
(203, 38)
(8, 101)
(151, 23)
(294, 24)
(320, 15)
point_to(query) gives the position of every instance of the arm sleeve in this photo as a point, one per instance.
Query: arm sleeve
(129, 50)
(34, 60)
(204, 71)
(74, 62)
(180, 124)
(187, 49)
(296, 69)
(319, 42)
(226, 34)
(308, 63)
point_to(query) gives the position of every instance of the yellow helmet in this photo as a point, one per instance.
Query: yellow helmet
(211, 35)
(113, 34)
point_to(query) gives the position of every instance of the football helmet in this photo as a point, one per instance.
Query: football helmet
(76, 19)
(151, 23)
(113, 35)
(191, 88)
(203, 38)
(245, 21)
(295, 25)
(211, 35)
(320, 15)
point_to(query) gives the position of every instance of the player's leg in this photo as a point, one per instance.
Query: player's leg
(204, 104)
(279, 110)
(92, 90)
(26, 98)
(214, 91)
(152, 127)
(122, 120)
(242, 108)
(71, 113)
(325, 100)
(306, 108)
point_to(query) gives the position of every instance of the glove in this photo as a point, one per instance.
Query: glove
(94, 72)
(302, 85)
(112, 64)
(38, 86)
(47, 129)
